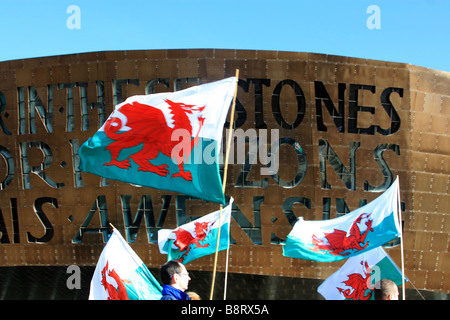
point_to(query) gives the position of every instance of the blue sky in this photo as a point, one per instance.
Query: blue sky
(411, 31)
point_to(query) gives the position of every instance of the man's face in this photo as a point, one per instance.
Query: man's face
(182, 279)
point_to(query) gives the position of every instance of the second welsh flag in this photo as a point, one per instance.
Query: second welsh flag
(357, 278)
(197, 238)
(168, 141)
(361, 230)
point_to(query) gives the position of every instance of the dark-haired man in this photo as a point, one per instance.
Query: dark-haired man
(175, 279)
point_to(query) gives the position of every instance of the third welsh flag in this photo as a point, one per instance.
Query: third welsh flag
(361, 230)
(197, 238)
(168, 141)
(121, 275)
(357, 278)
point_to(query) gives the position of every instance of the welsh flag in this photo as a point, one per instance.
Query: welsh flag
(356, 279)
(168, 141)
(197, 238)
(361, 230)
(121, 275)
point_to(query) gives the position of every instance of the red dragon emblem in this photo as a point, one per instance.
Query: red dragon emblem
(358, 283)
(339, 242)
(114, 294)
(185, 239)
(147, 125)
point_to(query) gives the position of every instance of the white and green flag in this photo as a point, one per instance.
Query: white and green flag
(356, 279)
(197, 238)
(167, 141)
(361, 230)
(121, 275)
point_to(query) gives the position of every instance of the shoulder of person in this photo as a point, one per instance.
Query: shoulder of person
(168, 297)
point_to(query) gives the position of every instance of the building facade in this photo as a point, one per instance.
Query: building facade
(344, 129)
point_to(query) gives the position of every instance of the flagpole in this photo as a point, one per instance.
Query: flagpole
(215, 256)
(226, 266)
(401, 240)
(224, 183)
(423, 298)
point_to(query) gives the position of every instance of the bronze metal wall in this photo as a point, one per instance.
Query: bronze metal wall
(347, 128)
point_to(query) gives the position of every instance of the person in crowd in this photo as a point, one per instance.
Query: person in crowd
(386, 289)
(175, 279)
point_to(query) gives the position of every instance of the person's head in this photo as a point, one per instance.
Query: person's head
(386, 289)
(174, 273)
